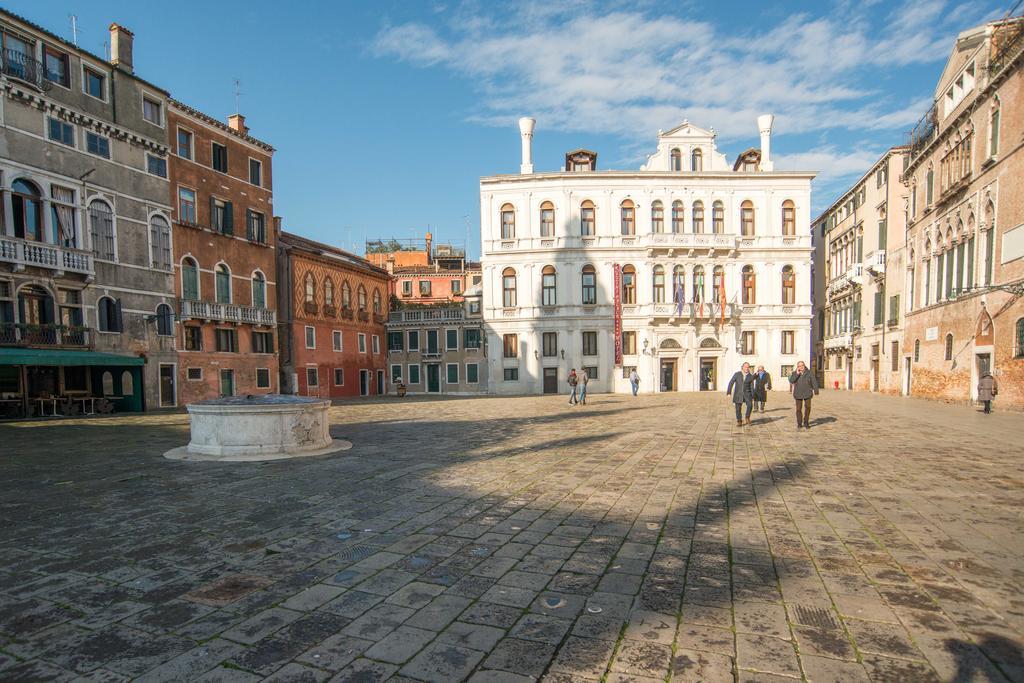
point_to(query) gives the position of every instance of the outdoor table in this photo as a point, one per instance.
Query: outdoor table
(42, 406)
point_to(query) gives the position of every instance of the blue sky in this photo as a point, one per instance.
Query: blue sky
(386, 113)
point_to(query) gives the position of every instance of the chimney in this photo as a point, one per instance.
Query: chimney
(526, 125)
(430, 239)
(764, 124)
(237, 122)
(277, 226)
(390, 264)
(121, 47)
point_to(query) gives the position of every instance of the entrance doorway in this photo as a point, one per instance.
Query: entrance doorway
(433, 378)
(550, 380)
(849, 372)
(668, 375)
(906, 376)
(380, 382)
(227, 383)
(708, 374)
(364, 382)
(167, 398)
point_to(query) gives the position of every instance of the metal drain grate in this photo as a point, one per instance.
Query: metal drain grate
(815, 616)
(356, 553)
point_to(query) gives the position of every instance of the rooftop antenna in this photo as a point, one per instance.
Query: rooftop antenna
(74, 29)
(238, 94)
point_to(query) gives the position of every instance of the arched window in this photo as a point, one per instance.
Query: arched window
(788, 218)
(588, 218)
(508, 288)
(659, 284)
(108, 383)
(718, 283)
(589, 282)
(1018, 348)
(376, 301)
(190, 279)
(657, 217)
(993, 128)
(628, 218)
(328, 292)
(547, 219)
(698, 217)
(949, 347)
(696, 160)
(127, 383)
(223, 280)
(698, 283)
(678, 284)
(677, 217)
(676, 160)
(259, 290)
(160, 242)
(628, 284)
(990, 244)
(747, 218)
(788, 285)
(36, 306)
(346, 295)
(361, 297)
(310, 285)
(749, 286)
(718, 218)
(917, 350)
(164, 320)
(27, 211)
(547, 286)
(109, 314)
(101, 230)
(508, 222)
(929, 186)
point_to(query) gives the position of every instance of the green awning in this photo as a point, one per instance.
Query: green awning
(63, 357)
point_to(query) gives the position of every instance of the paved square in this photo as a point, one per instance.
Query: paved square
(517, 539)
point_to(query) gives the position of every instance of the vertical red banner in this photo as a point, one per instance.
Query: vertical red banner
(617, 313)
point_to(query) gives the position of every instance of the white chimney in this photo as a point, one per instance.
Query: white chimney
(526, 125)
(764, 124)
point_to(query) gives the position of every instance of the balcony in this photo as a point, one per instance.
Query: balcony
(427, 316)
(875, 262)
(23, 253)
(843, 341)
(21, 334)
(227, 313)
(661, 240)
(17, 64)
(690, 310)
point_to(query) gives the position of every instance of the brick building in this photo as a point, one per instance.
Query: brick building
(965, 237)
(333, 306)
(225, 270)
(424, 272)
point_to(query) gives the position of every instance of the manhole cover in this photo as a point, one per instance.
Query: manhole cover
(594, 609)
(815, 616)
(356, 553)
(227, 589)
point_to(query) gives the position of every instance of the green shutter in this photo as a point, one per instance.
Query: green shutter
(249, 234)
(213, 214)
(229, 219)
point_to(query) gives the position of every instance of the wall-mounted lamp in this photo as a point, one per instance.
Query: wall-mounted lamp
(563, 354)
(536, 353)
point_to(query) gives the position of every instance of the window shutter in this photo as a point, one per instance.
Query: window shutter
(213, 214)
(249, 232)
(117, 326)
(229, 219)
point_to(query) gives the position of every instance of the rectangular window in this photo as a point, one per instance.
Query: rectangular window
(471, 338)
(312, 377)
(879, 307)
(472, 373)
(194, 374)
(255, 227)
(894, 308)
(414, 340)
(152, 111)
(510, 345)
(456, 286)
(452, 371)
(474, 307)
(336, 337)
(156, 165)
(187, 206)
(220, 157)
(406, 287)
(549, 342)
(375, 344)
(97, 144)
(262, 378)
(414, 374)
(510, 374)
(184, 143)
(221, 216)
(57, 66)
(396, 374)
(786, 371)
(193, 338)
(629, 343)
(255, 172)
(882, 234)
(895, 353)
(591, 371)
(339, 377)
(227, 341)
(747, 344)
(362, 343)
(395, 341)
(788, 338)
(61, 131)
(310, 337)
(451, 340)
(93, 84)
(424, 287)
(590, 343)
(262, 342)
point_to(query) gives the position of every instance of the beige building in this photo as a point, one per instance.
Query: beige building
(965, 271)
(859, 278)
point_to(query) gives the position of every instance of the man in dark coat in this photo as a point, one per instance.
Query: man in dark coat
(762, 385)
(743, 381)
(804, 386)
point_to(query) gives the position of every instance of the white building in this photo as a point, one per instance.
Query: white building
(735, 238)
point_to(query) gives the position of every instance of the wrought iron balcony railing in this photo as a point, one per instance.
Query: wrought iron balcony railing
(24, 334)
(17, 64)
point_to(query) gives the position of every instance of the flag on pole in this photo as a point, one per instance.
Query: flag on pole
(679, 296)
(721, 295)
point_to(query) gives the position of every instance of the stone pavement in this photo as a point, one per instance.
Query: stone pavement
(517, 539)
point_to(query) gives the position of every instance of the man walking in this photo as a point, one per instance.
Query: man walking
(584, 378)
(743, 381)
(762, 385)
(987, 390)
(805, 385)
(572, 386)
(634, 381)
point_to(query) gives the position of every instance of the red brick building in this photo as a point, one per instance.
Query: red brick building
(424, 272)
(224, 237)
(333, 306)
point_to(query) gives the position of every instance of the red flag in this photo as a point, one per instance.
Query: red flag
(721, 295)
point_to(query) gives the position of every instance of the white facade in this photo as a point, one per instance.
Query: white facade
(550, 229)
